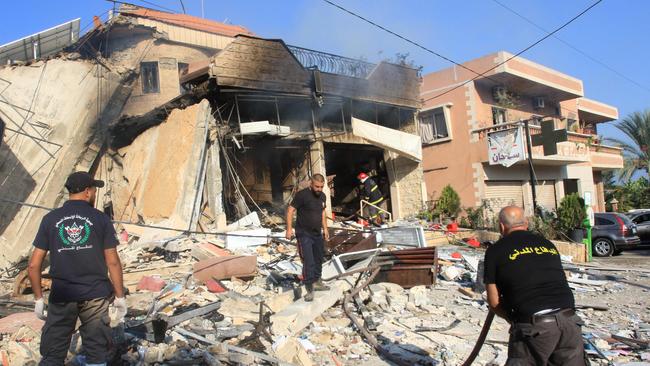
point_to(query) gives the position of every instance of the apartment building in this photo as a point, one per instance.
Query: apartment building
(461, 110)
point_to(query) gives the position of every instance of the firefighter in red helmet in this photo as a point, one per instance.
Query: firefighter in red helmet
(369, 191)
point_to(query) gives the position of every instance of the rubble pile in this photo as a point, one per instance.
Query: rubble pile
(194, 301)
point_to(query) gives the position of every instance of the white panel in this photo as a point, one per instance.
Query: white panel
(403, 143)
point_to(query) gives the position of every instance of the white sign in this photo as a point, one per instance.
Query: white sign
(506, 147)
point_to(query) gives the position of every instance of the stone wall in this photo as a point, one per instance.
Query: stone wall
(406, 179)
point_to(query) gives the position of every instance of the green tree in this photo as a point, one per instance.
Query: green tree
(449, 202)
(571, 213)
(631, 195)
(636, 126)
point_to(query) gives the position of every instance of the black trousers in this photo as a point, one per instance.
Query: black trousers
(311, 250)
(60, 324)
(554, 340)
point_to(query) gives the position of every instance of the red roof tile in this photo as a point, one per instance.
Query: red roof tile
(187, 21)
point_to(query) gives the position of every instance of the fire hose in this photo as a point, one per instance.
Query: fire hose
(481, 339)
(373, 340)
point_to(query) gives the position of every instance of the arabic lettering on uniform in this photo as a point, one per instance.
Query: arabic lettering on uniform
(538, 250)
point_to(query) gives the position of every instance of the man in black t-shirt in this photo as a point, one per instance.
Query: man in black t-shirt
(526, 285)
(311, 225)
(82, 245)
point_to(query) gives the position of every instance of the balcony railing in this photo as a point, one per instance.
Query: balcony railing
(335, 64)
(590, 140)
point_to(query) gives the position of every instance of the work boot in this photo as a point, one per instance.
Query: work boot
(320, 286)
(309, 296)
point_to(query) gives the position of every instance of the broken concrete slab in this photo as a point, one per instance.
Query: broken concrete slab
(298, 315)
(289, 349)
(12, 323)
(238, 239)
(208, 250)
(241, 310)
(250, 220)
(220, 268)
(148, 170)
(151, 283)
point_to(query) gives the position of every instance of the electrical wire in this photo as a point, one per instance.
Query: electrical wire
(399, 36)
(520, 52)
(479, 74)
(573, 47)
(184, 231)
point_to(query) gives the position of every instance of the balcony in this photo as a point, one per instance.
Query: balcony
(333, 64)
(579, 148)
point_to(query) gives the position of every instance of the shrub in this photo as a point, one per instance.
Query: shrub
(449, 203)
(544, 227)
(475, 217)
(571, 213)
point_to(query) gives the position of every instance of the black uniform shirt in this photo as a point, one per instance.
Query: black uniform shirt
(527, 270)
(76, 236)
(310, 211)
(371, 190)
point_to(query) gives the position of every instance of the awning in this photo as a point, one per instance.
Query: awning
(405, 144)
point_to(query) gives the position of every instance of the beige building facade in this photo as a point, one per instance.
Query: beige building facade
(460, 110)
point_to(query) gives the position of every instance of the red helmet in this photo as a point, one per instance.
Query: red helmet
(362, 175)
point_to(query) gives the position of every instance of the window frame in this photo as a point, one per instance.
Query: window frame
(146, 65)
(505, 115)
(446, 111)
(182, 66)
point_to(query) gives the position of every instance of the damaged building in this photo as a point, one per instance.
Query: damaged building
(194, 124)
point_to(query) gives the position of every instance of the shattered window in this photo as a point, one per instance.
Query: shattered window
(149, 77)
(183, 69)
(498, 115)
(433, 126)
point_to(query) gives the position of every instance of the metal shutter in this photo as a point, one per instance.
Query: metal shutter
(500, 194)
(545, 190)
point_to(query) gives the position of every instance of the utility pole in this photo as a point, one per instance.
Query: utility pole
(202, 10)
(531, 171)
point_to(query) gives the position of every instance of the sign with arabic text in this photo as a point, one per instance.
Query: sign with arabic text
(506, 147)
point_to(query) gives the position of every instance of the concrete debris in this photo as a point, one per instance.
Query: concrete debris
(219, 268)
(215, 306)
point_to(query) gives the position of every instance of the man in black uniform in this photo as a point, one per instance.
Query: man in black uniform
(81, 241)
(370, 192)
(527, 286)
(311, 225)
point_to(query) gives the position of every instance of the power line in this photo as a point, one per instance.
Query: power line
(146, 2)
(478, 74)
(520, 52)
(399, 36)
(574, 48)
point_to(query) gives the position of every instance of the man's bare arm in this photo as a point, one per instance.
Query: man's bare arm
(115, 270)
(495, 301)
(326, 233)
(290, 211)
(34, 270)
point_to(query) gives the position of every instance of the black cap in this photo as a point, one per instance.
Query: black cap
(79, 181)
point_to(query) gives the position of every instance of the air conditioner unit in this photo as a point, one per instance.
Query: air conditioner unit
(499, 92)
(538, 103)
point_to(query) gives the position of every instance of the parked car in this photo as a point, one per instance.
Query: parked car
(641, 218)
(612, 233)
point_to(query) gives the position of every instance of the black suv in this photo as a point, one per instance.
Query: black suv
(641, 218)
(612, 233)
